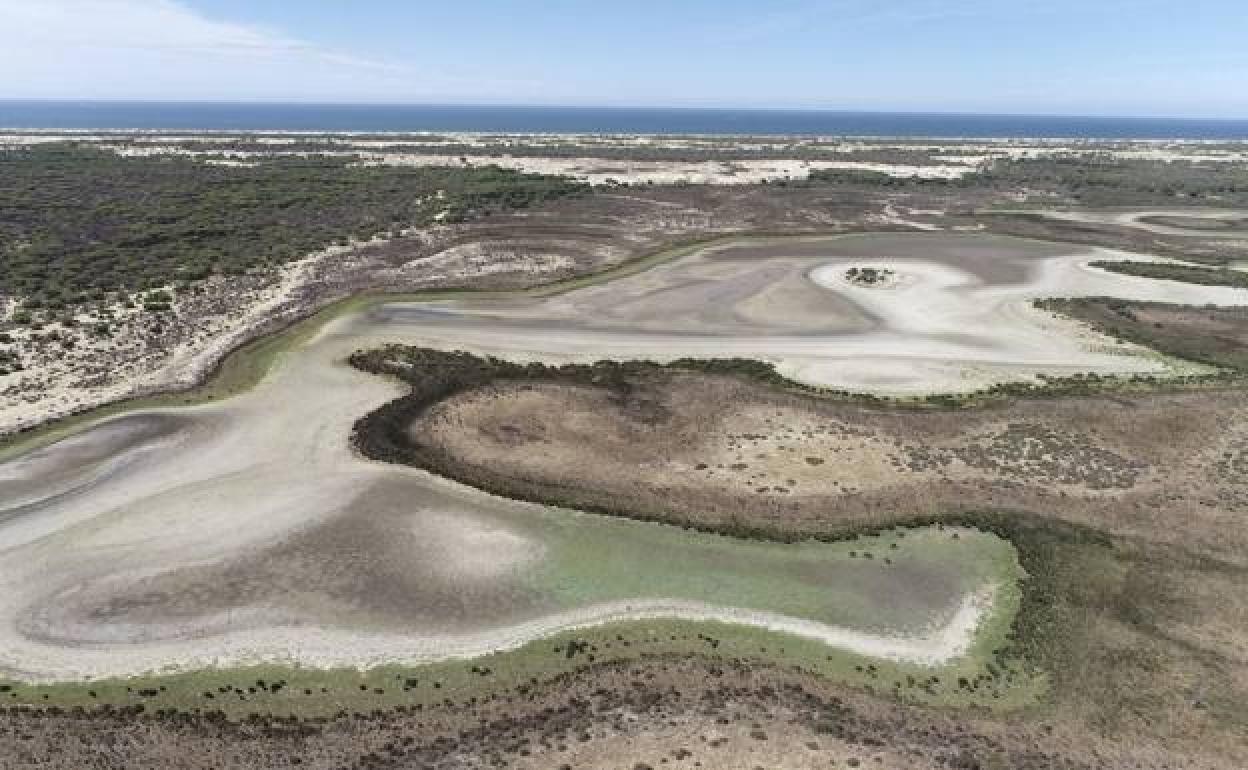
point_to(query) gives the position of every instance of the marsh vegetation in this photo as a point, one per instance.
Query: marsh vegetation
(1169, 271)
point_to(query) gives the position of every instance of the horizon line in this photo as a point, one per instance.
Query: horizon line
(626, 107)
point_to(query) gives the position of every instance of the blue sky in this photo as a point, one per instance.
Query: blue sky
(1096, 57)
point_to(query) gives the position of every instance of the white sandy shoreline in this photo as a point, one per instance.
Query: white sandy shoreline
(329, 648)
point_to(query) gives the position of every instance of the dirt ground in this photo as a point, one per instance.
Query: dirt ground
(664, 713)
(704, 450)
(1152, 654)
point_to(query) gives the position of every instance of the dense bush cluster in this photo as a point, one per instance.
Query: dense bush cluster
(1109, 181)
(1169, 271)
(1093, 180)
(868, 276)
(76, 222)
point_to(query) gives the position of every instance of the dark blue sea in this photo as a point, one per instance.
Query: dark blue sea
(223, 116)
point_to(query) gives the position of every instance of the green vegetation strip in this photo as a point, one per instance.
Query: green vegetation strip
(1170, 271)
(290, 690)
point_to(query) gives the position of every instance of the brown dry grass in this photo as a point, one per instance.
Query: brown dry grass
(662, 713)
(702, 450)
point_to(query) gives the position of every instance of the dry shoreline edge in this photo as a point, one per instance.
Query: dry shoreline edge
(299, 690)
(936, 646)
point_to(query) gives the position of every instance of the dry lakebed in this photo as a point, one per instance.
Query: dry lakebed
(248, 531)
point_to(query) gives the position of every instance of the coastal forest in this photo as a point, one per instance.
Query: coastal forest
(78, 224)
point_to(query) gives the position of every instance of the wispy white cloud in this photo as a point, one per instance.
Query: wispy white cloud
(770, 24)
(164, 49)
(834, 16)
(148, 24)
(856, 54)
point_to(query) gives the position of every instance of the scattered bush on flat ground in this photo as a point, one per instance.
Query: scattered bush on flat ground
(1217, 336)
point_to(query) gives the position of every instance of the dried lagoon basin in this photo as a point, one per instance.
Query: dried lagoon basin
(413, 569)
(956, 317)
(247, 530)
(260, 537)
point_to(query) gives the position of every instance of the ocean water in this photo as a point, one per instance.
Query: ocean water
(223, 116)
